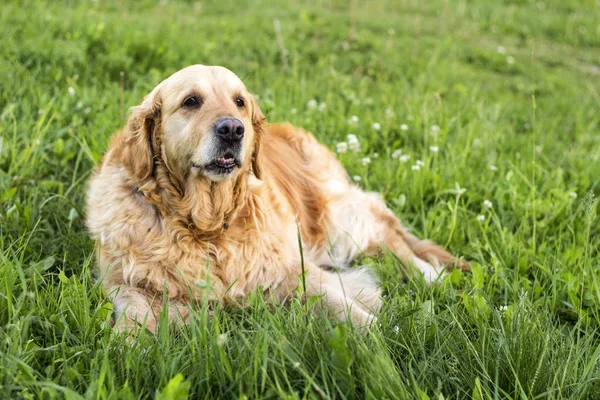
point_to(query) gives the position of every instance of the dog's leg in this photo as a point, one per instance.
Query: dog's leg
(133, 307)
(352, 295)
(361, 222)
(432, 260)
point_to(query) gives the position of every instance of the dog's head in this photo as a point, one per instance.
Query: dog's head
(201, 122)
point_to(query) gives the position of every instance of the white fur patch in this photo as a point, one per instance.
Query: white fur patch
(335, 186)
(430, 273)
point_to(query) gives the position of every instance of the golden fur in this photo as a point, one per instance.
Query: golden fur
(163, 227)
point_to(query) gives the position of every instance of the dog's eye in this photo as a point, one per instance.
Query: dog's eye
(191, 102)
(240, 102)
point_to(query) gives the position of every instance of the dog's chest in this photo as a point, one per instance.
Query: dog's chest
(246, 260)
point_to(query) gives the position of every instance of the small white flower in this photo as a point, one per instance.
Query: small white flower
(435, 149)
(404, 127)
(481, 218)
(293, 111)
(538, 149)
(396, 153)
(40, 111)
(397, 329)
(78, 105)
(353, 120)
(71, 91)
(420, 163)
(389, 113)
(493, 168)
(341, 147)
(573, 195)
(415, 167)
(404, 158)
(501, 50)
(510, 60)
(375, 155)
(354, 146)
(435, 130)
(366, 161)
(487, 204)
(312, 104)
(377, 126)
(322, 107)
(353, 143)
(503, 308)
(87, 110)
(222, 339)
(477, 143)
(356, 178)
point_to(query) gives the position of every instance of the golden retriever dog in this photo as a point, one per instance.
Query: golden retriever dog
(198, 198)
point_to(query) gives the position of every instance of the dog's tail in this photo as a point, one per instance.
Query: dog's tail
(433, 253)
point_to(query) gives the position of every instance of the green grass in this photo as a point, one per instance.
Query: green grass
(524, 324)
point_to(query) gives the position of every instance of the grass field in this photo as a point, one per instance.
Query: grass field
(495, 107)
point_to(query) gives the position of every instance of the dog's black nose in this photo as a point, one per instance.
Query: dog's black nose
(230, 129)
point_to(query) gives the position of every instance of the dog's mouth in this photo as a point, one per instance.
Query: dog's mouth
(224, 164)
(226, 161)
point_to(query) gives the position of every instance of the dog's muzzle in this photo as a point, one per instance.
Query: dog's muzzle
(230, 130)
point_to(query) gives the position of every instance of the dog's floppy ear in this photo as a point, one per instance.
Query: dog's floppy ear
(259, 124)
(140, 138)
